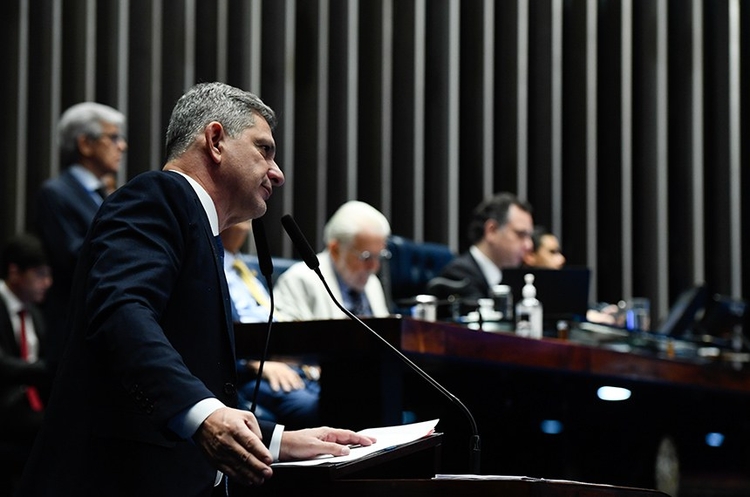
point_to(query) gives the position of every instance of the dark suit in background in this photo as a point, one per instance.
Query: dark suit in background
(154, 319)
(465, 267)
(65, 210)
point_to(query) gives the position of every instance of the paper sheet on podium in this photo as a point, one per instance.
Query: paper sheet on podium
(387, 437)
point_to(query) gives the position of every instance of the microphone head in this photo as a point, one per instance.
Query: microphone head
(300, 242)
(261, 246)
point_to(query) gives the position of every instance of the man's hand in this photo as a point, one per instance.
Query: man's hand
(232, 440)
(281, 377)
(305, 444)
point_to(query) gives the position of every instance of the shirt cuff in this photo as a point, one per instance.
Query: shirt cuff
(275, 446)
(187, 422)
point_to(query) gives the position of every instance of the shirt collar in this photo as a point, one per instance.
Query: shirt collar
(85, 177)
(491, 272)
(206, 202)
(12, 302)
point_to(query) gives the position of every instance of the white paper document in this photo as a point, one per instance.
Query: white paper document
(387, 438)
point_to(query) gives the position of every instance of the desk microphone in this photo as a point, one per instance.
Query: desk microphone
(308, 255)
(266, 269)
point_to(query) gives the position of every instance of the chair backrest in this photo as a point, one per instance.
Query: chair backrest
(411, 266)
(280, 264)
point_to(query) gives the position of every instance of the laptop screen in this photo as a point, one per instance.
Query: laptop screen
(563, 293)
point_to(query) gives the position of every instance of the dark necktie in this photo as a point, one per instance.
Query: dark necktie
(356, 305)
(32, 394)
(102, 192)
(219, 248)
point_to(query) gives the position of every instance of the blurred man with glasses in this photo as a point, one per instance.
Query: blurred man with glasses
(500, 235)
(355, 238)
(91, 140)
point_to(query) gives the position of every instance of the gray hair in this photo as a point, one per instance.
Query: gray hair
(85, 118)
(353, 218)
(235, 109)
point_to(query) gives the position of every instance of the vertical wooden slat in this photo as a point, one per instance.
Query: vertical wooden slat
(420, 40)
(90, 68)
(452, 118)
(352, 99)
(662, 163)
(324, 76)
(222, 30)
(123, 82)
(21, 116)
(556, 70)
(488, 99)
(735, 147)
(522, 109)
(157, 83)
(591, 139)
(55, 83)
(386, 132)
(287, 145)
(697, 135)
(626, 178)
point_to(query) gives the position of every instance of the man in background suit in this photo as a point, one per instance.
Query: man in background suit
(144, 399)
(24, 376)
(92, 142)
(288, 393)
(500, 233)
(355, 237)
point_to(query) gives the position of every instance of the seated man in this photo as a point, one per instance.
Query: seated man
(288, 394)
(500, 234)
(355, 238)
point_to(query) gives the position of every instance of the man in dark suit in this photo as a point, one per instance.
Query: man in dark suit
(24, 376)
(144, 401)
(500, 235)
(25, 277)
(92, 142)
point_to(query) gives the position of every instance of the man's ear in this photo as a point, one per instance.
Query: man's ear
(490, 226)
(214, 136)
(334, 247)
(84, 145)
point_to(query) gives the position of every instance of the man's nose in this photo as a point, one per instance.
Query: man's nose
(275, 175)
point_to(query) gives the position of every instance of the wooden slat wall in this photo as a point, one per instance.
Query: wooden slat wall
(622, 121)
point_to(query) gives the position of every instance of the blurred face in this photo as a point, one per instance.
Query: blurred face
(102, 154)
(30, 285)
(357, 261)
(548, 254)
(250, 171)
(510, 242)
(234, 236)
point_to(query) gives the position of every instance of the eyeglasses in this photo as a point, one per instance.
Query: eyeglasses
(367, 256)
(116, 138)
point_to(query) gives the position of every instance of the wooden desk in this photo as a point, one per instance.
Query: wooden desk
(520, 391)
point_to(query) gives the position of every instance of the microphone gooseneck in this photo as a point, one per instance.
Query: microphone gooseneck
(308, 255)
(266, 269)
(300, 242)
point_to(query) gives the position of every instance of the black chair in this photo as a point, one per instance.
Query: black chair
(411, 266)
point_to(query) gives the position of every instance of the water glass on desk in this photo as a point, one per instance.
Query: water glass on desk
(638, 314)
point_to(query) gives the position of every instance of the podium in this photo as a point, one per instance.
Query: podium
(410, 470)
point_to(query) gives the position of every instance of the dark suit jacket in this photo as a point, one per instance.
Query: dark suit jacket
(465, 266)
(64, 211)
(151, 336)
(19, 422)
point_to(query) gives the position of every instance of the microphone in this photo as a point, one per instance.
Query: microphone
(266, 269)
(308, 255)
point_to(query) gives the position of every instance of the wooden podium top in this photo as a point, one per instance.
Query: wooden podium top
(318, 340)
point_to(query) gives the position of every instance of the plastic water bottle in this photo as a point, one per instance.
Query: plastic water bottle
(529, 311)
